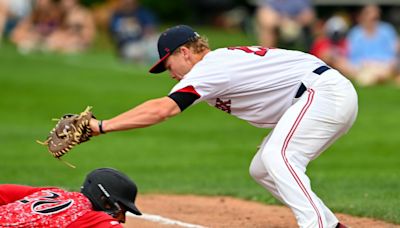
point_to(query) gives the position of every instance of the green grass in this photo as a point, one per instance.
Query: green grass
(203, 151)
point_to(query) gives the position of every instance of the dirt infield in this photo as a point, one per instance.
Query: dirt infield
(197, 211)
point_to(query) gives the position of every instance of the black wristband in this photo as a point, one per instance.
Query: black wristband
(101, 127)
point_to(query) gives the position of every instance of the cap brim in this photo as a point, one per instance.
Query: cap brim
(159, 67)
(132, 208)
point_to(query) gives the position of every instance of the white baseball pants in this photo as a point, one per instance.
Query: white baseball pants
(322, 114)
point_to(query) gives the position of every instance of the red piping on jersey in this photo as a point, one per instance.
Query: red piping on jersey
(189, 89)
(283, 152)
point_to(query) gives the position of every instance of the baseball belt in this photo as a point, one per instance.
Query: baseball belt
(303, 88)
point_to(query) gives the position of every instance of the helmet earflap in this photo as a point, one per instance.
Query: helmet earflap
(113, 207)
(100, 198)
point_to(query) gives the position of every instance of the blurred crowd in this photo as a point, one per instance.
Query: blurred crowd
(367, 52)
(361, 44)
(66, 26)
(61, 26)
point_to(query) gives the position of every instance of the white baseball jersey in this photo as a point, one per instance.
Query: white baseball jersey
(253, 83)
(259, 85)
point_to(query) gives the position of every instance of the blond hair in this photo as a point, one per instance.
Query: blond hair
(197, 44)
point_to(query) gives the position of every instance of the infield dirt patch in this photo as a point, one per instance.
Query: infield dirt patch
(226, 212)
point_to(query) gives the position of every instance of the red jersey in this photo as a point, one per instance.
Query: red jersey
(24, 206)
(324, 45)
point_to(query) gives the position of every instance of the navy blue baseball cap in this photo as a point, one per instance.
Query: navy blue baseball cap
(169, 41)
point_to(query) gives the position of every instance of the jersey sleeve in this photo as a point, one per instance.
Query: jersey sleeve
(184, 97)
(203, 82)
(12, 192)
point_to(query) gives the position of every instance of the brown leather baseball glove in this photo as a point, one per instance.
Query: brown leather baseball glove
(70, 130)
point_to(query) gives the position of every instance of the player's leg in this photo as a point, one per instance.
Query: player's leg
(261, 176)
(307, 128)
(259, 172)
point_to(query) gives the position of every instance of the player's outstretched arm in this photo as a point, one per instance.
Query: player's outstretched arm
(146, 114)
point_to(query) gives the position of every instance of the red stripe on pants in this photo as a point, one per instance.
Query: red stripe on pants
(283, 152)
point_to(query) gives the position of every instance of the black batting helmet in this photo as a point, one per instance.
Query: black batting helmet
(107, 186)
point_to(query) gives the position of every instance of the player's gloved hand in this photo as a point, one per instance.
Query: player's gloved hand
(70, 130)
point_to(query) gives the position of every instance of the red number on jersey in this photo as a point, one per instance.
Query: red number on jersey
(260, 52)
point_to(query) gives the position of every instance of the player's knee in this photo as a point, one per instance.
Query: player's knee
(256, 173)
(272, 162)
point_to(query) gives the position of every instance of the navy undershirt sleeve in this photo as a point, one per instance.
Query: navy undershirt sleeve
(183, 99)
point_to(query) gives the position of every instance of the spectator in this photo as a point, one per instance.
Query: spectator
(32, 32)
(77, 30)
(102, 13)
(373, 46)
(11, 12)
(331, 46)
(133, 31)
(397, 77)
(106, 195)
(288, 19)
(215, 11)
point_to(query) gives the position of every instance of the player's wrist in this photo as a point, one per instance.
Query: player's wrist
(100, 125)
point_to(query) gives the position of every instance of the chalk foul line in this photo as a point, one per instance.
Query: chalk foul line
(162, 220)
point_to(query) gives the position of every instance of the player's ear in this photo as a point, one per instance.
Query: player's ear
(185, 52)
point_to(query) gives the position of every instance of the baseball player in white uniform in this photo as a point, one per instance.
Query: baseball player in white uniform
(307, 103)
